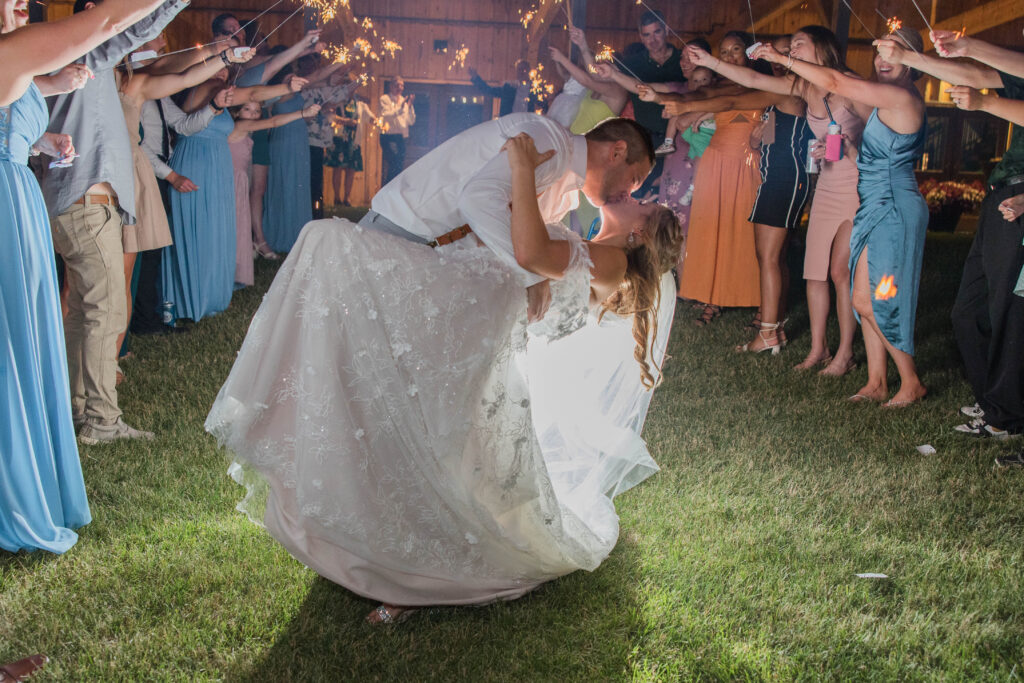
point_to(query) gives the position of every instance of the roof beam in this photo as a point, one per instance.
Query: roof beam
(540, 24)
(989, 15)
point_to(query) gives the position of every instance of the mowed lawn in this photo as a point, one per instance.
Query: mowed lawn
(736, 561)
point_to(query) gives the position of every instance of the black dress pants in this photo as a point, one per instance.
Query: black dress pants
(316, 180)
(988, 318)
(392, 149)
(146, 313)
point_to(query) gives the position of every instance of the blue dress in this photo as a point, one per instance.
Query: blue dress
(287, 207)
(891, 224)
(198, 270)
(42, 494)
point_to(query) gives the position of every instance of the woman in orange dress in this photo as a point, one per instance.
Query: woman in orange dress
(721, 261)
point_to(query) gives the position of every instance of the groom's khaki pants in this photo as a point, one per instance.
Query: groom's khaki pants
(88, 238)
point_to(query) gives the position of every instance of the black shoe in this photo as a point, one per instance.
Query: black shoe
(162, 330)
(1015, 460)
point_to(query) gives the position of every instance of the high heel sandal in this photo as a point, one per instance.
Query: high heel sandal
(709, 313)
(263, 249)
(385, 614)
(771, 340)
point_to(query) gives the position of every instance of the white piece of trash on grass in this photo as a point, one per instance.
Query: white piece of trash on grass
(926, 449)
(871, 575)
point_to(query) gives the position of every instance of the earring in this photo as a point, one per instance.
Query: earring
(631, 240)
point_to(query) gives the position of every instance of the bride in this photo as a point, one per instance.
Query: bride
(380, 416)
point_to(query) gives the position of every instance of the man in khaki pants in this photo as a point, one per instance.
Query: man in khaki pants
(89, 201)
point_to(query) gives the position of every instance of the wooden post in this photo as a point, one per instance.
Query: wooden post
(579, 20)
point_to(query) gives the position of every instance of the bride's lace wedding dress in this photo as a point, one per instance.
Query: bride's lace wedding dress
(380, 416)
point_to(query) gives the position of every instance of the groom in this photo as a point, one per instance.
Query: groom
(466, 184)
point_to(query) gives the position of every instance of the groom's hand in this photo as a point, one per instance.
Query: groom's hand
(538, 299)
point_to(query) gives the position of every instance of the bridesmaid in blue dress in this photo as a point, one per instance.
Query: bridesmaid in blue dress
(42, 494)
(198, 270)
(287, 207)
(887, 243)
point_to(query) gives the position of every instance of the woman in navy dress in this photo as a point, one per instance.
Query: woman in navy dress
(887, 243)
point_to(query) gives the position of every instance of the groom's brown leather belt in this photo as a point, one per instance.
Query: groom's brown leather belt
(449, 237)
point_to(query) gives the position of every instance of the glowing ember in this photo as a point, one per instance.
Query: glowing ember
(391, 47)
(367, 24)
(539, 86)
(886, 289)
(338, 54)
(460, 58)
(605, 55)
(526, 17)
(362, 45)
(894, 24)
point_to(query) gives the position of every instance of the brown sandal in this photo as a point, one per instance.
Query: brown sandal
(23, 669)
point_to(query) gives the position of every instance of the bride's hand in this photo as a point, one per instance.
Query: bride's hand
(522, 152)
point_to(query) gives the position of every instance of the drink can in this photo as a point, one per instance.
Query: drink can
(812, 166)
(167, 316)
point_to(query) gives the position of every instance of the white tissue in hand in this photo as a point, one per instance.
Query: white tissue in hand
(750, 50)
(239, 51)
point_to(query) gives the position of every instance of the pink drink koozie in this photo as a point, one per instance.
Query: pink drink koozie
(834, 143)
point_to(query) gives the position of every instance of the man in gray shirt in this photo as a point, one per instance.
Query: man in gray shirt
(88, 203)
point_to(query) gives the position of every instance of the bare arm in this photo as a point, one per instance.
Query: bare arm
(261, 93)
(608, 72)
(970, 99)
(741, 74)
(953, 44)
(958, 71)
(900, 109)
(283, 59)
(37, 49)
(751, 99)
(157, 86)
(245, 126)
(585, 79)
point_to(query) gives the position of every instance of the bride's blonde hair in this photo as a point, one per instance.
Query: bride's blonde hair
(640, 294)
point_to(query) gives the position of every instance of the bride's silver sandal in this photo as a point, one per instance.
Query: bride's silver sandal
(382, 614)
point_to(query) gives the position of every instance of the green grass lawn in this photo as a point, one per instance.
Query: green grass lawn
(736, 561)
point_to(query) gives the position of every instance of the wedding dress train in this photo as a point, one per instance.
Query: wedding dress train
(380, 417)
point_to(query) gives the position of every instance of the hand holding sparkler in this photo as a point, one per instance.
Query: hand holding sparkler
(768, 53)
(296, 83)
(646, 93)
(578, 38)
(891, 51)
(309, 42)
(951, 43)
(604, 71)
(557, 55)
(700, 57)
(311, 111)
(965, 97)
(224, 98)
(239, 55)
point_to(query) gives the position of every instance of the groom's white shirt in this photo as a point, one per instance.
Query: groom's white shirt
(467, 181)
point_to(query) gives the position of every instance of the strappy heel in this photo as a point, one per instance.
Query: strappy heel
(769, 335)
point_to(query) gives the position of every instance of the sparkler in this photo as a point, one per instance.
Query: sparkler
(266, 37)
(663, 23)
(526, 17)
(391, 47)
(607, 55)
(886, 288)
(894, 24)
(539, 86)
(861, 21)
(926, 22)
(460, 57)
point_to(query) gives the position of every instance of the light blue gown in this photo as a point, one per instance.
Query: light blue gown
(287, 206)
(891, 224)
(42, 494)
(198, 270)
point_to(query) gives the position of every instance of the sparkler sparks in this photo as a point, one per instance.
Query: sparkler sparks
(526, 17)
(460, 58)
(539, 86)
(893, 24)
(886, 288)
(391, 47)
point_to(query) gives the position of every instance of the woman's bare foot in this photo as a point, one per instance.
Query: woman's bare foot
(389, 614)
(907, 396)
(813, 359)
(870, 392)
(838, 367)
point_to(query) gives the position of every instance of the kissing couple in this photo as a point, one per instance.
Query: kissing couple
(414, 426)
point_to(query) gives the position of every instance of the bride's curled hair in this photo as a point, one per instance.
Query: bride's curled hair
(639, 295)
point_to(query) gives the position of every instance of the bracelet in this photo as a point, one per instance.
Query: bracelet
(227, 62)
(789, 64)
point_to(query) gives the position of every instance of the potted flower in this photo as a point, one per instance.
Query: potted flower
(948, 199)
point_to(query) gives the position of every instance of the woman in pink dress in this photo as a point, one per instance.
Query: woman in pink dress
(835, 199)
(247, 119)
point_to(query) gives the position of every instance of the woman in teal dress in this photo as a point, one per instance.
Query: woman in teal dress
(287, 207)
(42, 494)
(198, 270)
(887, 243)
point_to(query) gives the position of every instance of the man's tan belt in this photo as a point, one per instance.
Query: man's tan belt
(449, 237)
